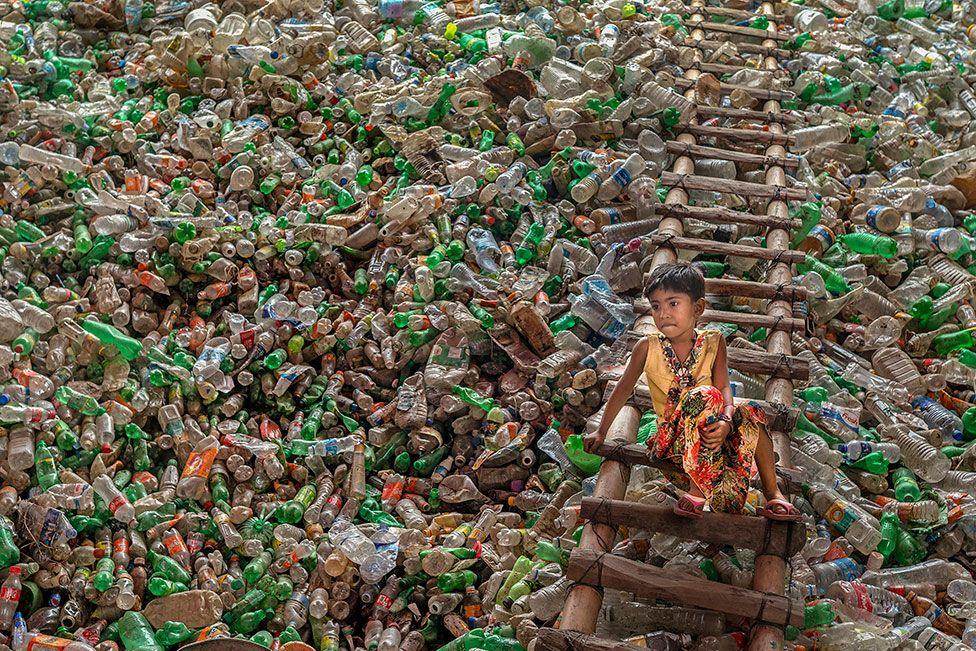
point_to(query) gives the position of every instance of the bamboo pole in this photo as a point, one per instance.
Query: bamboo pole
(583, 603)
(758, 93)
(770, 570)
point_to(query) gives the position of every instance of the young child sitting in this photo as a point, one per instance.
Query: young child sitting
(699, 428)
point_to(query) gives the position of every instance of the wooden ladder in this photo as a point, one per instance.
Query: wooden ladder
(591, 567)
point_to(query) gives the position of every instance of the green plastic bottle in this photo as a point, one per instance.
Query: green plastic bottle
(820, 614)
(870, 244)
(588, 463)
(456, 581)
(952, 341)
(137, 633)
(111, 336)
(906, 487)
(257, 567)
(874, 463)
(161, 587)
(293, 510)
(834, 282)
(172, 633)
(890, 528)
(104, 574)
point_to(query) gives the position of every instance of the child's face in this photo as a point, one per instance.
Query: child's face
(675, 314)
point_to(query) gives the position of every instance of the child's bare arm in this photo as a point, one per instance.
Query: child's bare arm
(720, 372)
(714, 434)
(619, 396)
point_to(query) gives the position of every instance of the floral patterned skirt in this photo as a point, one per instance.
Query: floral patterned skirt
(722, 475)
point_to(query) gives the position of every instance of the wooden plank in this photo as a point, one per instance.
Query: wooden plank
(721, 215)
(749, 114)
(727, 186)
(740, 30)
(723, 248)
(551, 639)
(703, 151)
(747, 531)
(609, 571)
(741, 135)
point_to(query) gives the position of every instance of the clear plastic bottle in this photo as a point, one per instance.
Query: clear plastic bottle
(9, 597)
(927, 462)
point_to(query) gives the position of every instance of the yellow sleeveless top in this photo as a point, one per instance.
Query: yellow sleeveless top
(667, 377)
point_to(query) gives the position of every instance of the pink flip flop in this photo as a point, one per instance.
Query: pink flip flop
(689, 507)
(786, 513)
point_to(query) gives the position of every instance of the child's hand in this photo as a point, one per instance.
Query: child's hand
(593, 441)
(714, 434)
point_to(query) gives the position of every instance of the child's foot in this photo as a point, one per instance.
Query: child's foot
(689, 506)
(780, 509)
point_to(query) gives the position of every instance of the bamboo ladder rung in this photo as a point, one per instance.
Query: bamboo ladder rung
(720, 68)
(753, 362)
(749, 114)
(723, 248)
(740, 30)
(746, 48)
(728, 186)
(725, 88)
(741, 135)
(722, 215)
(703, 151)
(603, 570)
(729, 13)
(752, 289)
(745, 531)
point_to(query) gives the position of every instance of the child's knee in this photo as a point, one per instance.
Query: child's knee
(710, 392)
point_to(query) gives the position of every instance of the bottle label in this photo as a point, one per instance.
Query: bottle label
(871, 218)
(199, 463)
(861, 597)
(47, 642)
(839, 516)
(384, 601)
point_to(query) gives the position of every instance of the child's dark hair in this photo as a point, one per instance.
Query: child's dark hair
(677, 277)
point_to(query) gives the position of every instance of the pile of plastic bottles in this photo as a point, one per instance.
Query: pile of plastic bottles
(304, 308)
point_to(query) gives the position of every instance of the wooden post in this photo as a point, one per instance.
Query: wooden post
(583, 604)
